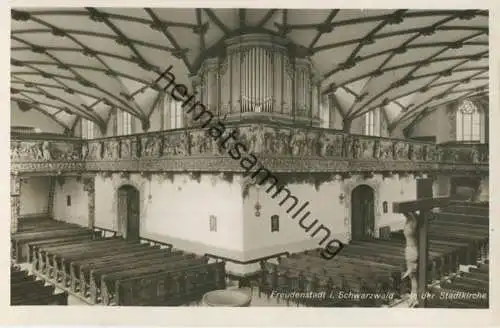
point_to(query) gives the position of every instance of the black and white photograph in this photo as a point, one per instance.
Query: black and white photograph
(249, 157)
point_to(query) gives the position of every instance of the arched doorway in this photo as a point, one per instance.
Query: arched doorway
(128, 212)
(362, 212)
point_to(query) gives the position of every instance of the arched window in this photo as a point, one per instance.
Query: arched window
(88, 129)
(124, 123)
(172, 114)
(468, 122)
(372, 123)
(176, 114)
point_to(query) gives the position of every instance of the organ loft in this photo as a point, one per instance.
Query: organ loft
(376, 120)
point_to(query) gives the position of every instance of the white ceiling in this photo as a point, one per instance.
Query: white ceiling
(82, 62)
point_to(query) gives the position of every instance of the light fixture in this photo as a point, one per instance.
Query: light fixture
(257, 207)
(341, 198)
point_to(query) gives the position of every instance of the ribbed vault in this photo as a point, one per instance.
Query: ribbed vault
(85, 62)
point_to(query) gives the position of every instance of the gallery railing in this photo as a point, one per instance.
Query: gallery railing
(279, 148)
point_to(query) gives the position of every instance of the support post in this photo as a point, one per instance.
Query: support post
(15, 202)
(89, 187)
(423, 258)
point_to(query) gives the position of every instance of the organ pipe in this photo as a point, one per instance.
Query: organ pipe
(258, 74)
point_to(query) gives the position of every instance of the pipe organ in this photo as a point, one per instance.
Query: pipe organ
(257, 76)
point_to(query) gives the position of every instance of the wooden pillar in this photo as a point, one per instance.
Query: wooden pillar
(52, 190)
(89, 187)
(423, 256)
(15, 202)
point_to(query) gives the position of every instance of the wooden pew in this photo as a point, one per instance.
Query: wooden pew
(170, 288)
(55, 255)
(62, 262)
(345, 275)
(463, 218)
(26, 290)
(276, 278)
(19, 241)
(45, 253)
(82, 270)
(108, 281)
(32, 246)
(467, 209)
(304, 272)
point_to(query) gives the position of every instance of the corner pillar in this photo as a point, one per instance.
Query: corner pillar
(89, 187)
(15, 202)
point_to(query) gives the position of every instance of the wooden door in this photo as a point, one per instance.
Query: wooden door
(122, 211)
(133, 217)
(362, 213)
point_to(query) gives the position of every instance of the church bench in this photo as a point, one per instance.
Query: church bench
(30, 224)
(62, 263)
(356, 275)
(477, 240)
(463, 218)
(26, 286)
(20, 276)
(32, 246)
(346, 278)
(19, 241)
(61, 260)
(474, 282)
(26, 290)
(367, 253)
(462, 249)
(108, 281)
(443, 258)
(42, 299)
(35, 295)
(276, 278)
(46, 253)
(460, 226)
(42, 233)
(170, 288)
(25, 237)
(464, 209)
(479, 276)
(81, 271)
(467, 283)
(45, 250)
(108, 259)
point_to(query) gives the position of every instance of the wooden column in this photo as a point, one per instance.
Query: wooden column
(52, 190)
(15, 202)
(417, 248)
(89, 187)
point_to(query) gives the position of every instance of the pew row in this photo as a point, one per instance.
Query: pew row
(42, 231)
(376, 265)
(94, 270)
(466, 290)
(26, 290)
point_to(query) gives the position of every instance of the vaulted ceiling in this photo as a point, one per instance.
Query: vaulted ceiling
(83, 62)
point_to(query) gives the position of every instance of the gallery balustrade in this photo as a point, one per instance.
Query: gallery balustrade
(279, 148)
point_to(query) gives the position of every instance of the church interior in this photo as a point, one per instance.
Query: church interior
(377, 119)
